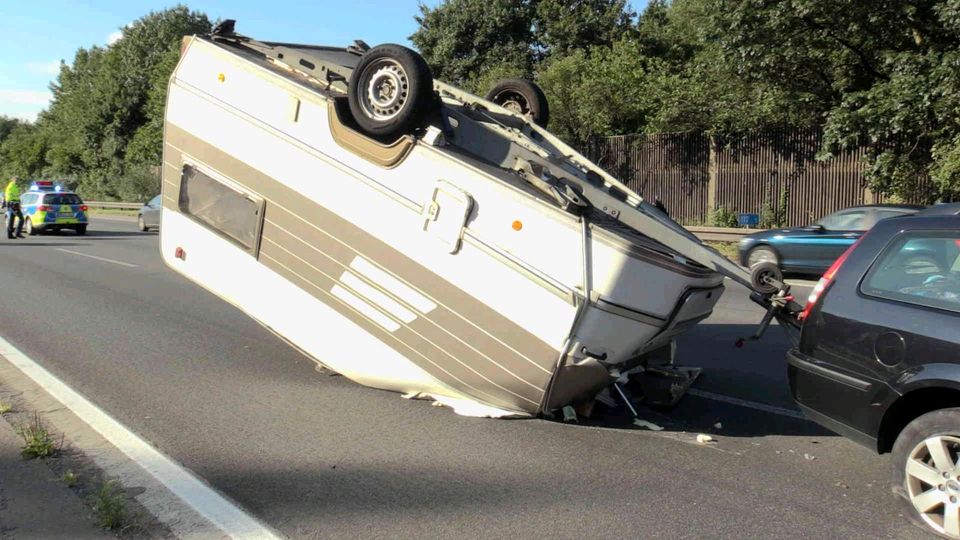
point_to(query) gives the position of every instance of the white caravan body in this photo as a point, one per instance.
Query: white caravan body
(418, 265)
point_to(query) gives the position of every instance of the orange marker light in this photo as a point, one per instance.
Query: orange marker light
(517, 225)
(221, 77)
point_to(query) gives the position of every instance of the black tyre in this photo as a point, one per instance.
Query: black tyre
(391, 91)
(28, 228)
(760, 273)
(523, 97)
(142, 225)
(81, 229)
(924, 470)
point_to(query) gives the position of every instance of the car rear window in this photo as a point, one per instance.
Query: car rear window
(918, 268)
(61, 198)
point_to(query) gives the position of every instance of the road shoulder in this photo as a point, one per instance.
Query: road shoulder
(33, 503)
(153, 511)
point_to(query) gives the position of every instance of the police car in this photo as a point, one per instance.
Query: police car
(49, 207)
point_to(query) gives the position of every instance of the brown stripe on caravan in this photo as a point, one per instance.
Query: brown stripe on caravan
(465, 337)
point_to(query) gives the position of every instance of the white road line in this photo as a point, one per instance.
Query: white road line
(213, 506)
(745, 403)
(104, 259)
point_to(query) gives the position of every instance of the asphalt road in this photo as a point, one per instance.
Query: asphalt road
(320, 456)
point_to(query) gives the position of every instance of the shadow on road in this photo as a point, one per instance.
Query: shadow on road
(755, 373)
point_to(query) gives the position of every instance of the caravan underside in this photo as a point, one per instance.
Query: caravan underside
(416, 266)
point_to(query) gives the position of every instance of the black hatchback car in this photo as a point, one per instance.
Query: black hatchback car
(878, 359)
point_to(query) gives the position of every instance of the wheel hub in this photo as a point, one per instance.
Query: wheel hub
(512, 102)
(386, 90)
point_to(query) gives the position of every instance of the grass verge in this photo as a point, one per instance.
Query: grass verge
(727, 249)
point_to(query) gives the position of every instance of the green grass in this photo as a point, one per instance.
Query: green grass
(110, 506)
(37, 441)
(70, 478)
(727, 249)
(5, 407)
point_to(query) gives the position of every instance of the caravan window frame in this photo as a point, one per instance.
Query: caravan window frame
(227, 182)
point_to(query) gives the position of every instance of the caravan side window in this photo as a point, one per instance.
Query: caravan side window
(223, 208)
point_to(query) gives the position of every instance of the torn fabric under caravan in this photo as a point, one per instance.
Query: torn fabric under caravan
(416, 238)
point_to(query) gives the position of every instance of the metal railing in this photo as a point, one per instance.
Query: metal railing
(114, 205)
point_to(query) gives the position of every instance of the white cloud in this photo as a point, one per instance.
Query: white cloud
(44, 68)
(25, 97)
(114, 37)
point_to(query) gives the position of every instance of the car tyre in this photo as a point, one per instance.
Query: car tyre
(81, 229)
(28, 228)
(926, 471)
(141, 224)
(522, 97)
(391, 91)
(762, 254)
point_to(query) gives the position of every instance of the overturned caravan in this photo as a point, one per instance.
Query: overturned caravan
(416, 238)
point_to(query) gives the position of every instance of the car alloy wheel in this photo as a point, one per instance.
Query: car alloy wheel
(933, 483)
(762, 254)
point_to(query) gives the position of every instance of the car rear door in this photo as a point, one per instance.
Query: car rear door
(899, 316)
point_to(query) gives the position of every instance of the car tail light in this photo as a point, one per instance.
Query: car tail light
(83, 208)
(44, 208)
(826, 280)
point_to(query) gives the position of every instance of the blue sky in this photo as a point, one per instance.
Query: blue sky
(36, 34)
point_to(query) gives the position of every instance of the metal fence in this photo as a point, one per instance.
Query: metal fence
(695, 174)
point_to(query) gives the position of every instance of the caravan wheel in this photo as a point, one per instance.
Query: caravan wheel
(391, 91)
(522, 97)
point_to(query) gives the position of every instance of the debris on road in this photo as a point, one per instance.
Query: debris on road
(809, 457)
(705, 439)
(645, 424)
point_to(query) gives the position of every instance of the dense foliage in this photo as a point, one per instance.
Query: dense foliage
(880, 74)
(102, 133)
(875, 73)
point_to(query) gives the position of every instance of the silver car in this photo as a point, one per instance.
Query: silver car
(149, 215)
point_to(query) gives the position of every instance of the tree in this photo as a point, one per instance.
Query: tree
(472, 42)
(103, 128)
(878, 73)
(463, 39)
(564, 26)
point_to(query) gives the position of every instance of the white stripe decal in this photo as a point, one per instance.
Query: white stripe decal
(366, 309)
(207, 502)
(376, 297)
(393, 285)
